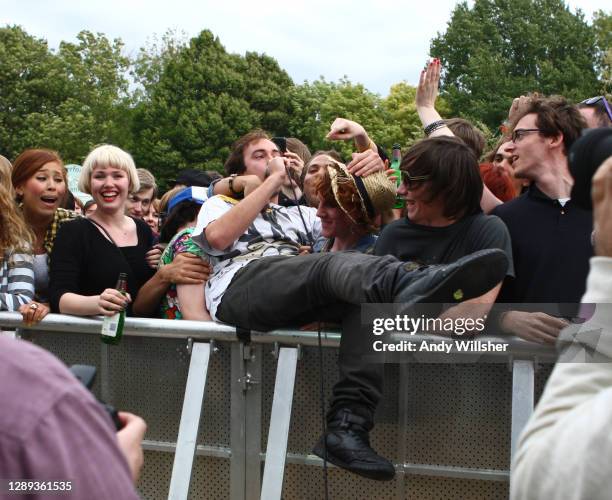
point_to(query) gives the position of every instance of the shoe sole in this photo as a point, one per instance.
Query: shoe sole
(319, 452)
(467, 278)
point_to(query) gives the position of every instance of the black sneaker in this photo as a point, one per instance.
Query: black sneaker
(469, 277)
(348, 446)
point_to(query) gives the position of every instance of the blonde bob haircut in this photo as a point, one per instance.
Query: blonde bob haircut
(106, 155)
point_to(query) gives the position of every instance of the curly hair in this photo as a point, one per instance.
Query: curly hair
(15, 236)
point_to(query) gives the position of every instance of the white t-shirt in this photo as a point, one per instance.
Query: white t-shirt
(276, 231)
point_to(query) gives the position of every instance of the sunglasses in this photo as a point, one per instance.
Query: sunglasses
(413, 180)
(594, 101)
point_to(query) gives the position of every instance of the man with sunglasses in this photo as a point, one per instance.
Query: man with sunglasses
(551, 236)
(596, 111)
(442, 187)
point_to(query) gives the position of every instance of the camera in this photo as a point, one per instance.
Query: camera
(585, 157)
(87, 374)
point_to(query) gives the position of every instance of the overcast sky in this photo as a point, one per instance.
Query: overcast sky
(377, 43)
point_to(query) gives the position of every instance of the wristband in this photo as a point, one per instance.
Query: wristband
(434, 126)
(370, 145)
(236, 194)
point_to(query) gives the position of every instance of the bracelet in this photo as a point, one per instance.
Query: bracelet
(370, 145)
(434, 126)
(231, 186)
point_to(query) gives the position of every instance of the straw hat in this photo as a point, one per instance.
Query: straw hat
(373, 194)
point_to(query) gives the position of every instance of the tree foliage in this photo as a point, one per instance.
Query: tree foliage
(500, 49)
(198, 99)
(69, 100)
(188, 100)
(388, 121)
(602, 25)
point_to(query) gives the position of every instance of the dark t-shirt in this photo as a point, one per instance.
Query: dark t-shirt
(441, 245)
(85, 262)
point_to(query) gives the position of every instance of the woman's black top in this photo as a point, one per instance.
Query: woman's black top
(84, 262)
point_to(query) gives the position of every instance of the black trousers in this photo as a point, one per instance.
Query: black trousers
(276, 292)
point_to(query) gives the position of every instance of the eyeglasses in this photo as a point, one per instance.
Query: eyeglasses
(593, 101)
(519, 133)
(413, 180)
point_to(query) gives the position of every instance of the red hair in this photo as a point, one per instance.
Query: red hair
(31, 161)
(498, 181)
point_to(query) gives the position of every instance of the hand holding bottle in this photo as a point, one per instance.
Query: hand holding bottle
(112, 301)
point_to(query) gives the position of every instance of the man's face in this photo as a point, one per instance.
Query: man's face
(257, 155)
(311, 179)
(419, 209)
(529, 151)
(138, 204)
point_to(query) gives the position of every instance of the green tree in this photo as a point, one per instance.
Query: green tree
(317, 104)
(499, 49)
(602, 24)
(198, 99)
(67, 101)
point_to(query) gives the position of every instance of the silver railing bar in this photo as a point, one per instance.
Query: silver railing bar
(207, 330)
(201, 449)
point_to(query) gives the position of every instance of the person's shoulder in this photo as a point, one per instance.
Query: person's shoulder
(142, 227)
(404, 222)
(512, 206)
(74, 226)
(181, 237)
(63, 215)
(221, 200)
(32, 381)
(397, 225)
(484, 220)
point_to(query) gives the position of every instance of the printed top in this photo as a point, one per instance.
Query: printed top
(275, 231)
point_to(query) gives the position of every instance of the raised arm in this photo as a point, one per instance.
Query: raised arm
(343, 130)
(433, 125)
(425, 100)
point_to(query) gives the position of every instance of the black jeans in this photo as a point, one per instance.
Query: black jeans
(276, 292)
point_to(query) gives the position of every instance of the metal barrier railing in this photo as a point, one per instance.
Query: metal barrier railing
(244, 452)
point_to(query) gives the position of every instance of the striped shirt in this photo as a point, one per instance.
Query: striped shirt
(16, 280)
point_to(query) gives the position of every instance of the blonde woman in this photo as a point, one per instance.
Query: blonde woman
(90, 253)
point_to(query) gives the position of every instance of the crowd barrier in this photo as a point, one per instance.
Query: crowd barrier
(233, 420)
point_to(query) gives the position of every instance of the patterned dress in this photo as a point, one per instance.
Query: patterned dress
(181, 243)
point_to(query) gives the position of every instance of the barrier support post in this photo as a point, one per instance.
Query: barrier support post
(190, 422)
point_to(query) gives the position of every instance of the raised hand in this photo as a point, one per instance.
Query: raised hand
(365, 163)
(429, 82)
(342, 130)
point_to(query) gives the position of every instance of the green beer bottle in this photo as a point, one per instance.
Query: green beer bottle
(112, 326)
(396, 159)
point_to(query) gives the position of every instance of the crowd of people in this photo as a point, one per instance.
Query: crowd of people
(286, 238)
